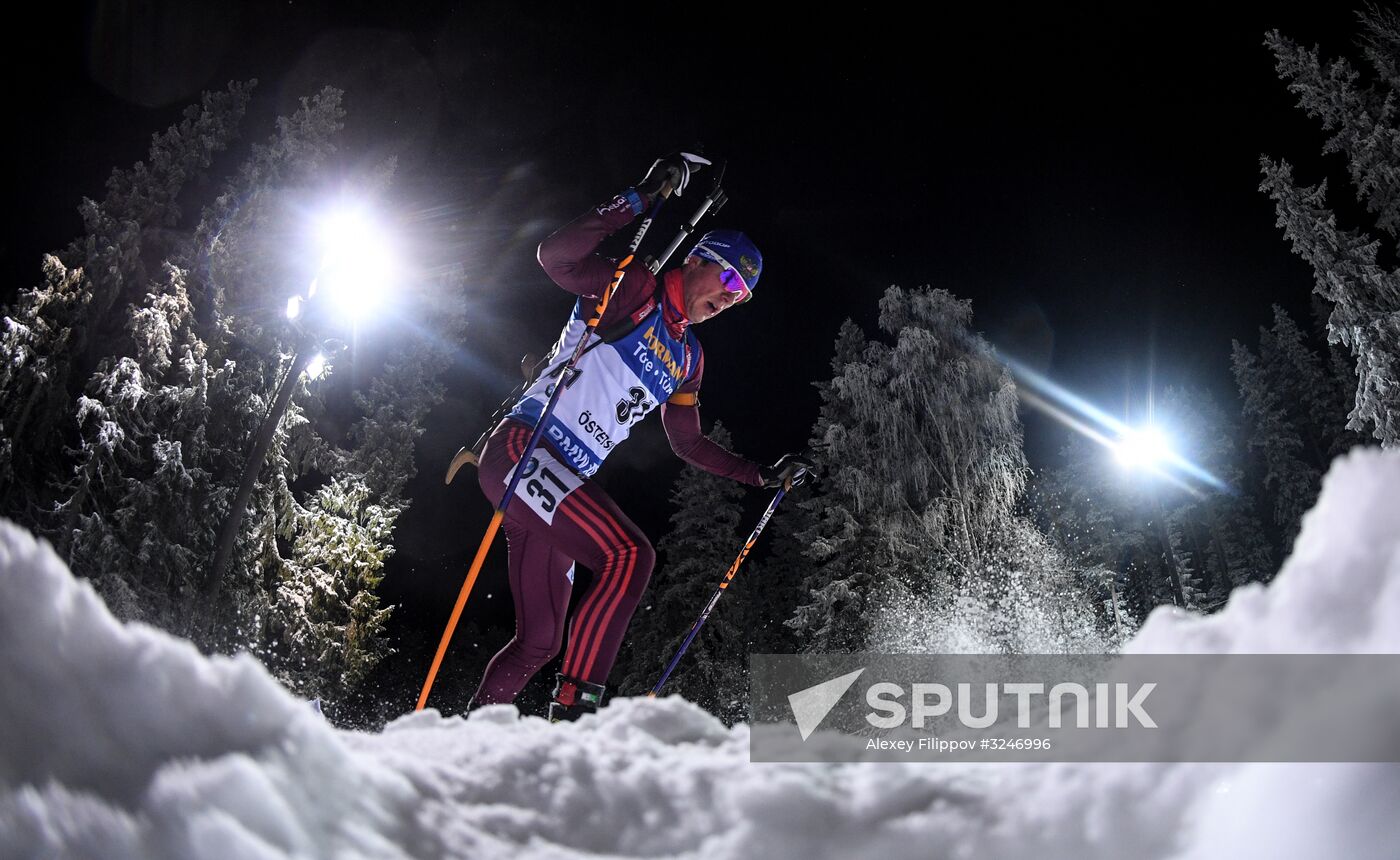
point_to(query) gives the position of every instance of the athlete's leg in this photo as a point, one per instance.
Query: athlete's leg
(606, 541)
(540, 588)
(539, 581)
(586, 526)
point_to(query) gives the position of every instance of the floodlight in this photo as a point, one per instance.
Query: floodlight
(1142, 448)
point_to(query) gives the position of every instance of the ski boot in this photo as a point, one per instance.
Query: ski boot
(574, 698)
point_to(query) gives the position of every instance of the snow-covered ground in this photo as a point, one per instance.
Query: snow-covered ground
(119, 741)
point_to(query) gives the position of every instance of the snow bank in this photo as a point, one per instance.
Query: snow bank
(120, 741)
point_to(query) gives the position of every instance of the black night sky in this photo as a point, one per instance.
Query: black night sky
(1086, 177)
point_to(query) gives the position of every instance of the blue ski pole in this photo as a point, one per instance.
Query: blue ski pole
(794, 481)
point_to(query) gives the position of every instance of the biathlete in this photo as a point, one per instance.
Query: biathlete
(643, 353)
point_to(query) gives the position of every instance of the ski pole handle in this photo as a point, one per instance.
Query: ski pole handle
(714, 200)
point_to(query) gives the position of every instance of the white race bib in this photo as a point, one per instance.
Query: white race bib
(544, 485)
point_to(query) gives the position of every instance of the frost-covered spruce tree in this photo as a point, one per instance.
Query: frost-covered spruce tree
(1341, 380)
(1288, 474)
(1310, 390)
(164, 417)
(777, 573)
(1216, 528)
(134, 510)
(325, 618)
(843, 549)
(34, 360)
(1079, 505)
(1296, 416)
(56, 334)
(1081, 526)
(244, 261)
(920, 448)
(694, 555)
(191, 352)
(325, 624)
(1363, 120)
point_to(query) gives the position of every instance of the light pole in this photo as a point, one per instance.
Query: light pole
(355, 269)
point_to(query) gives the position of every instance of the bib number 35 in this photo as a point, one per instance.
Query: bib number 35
(545, 485)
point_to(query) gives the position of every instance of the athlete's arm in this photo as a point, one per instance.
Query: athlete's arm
(567, 255)
(681, 417)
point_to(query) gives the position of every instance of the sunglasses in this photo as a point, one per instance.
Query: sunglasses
(729, 276)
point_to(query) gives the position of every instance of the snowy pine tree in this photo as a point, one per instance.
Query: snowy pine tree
(1288, 477)
(1218, 531)
(1296, 418)
(1103, 521)
(919, 445)
(842, 549)
(325, 619)
(142, 368)
(702, 543)
(1363, 119)
(1312, 401)
(56, 334)
(1340, 390)
(779, 569)
(134, 509)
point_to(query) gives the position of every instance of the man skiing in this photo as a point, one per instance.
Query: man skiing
(641, 354)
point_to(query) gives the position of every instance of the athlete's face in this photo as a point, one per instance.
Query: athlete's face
(706, 296)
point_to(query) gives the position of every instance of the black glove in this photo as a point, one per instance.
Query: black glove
(674, 169)
(781, 472)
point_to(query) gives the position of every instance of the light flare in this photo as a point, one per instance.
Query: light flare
(357, 265)
(1147, 448)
